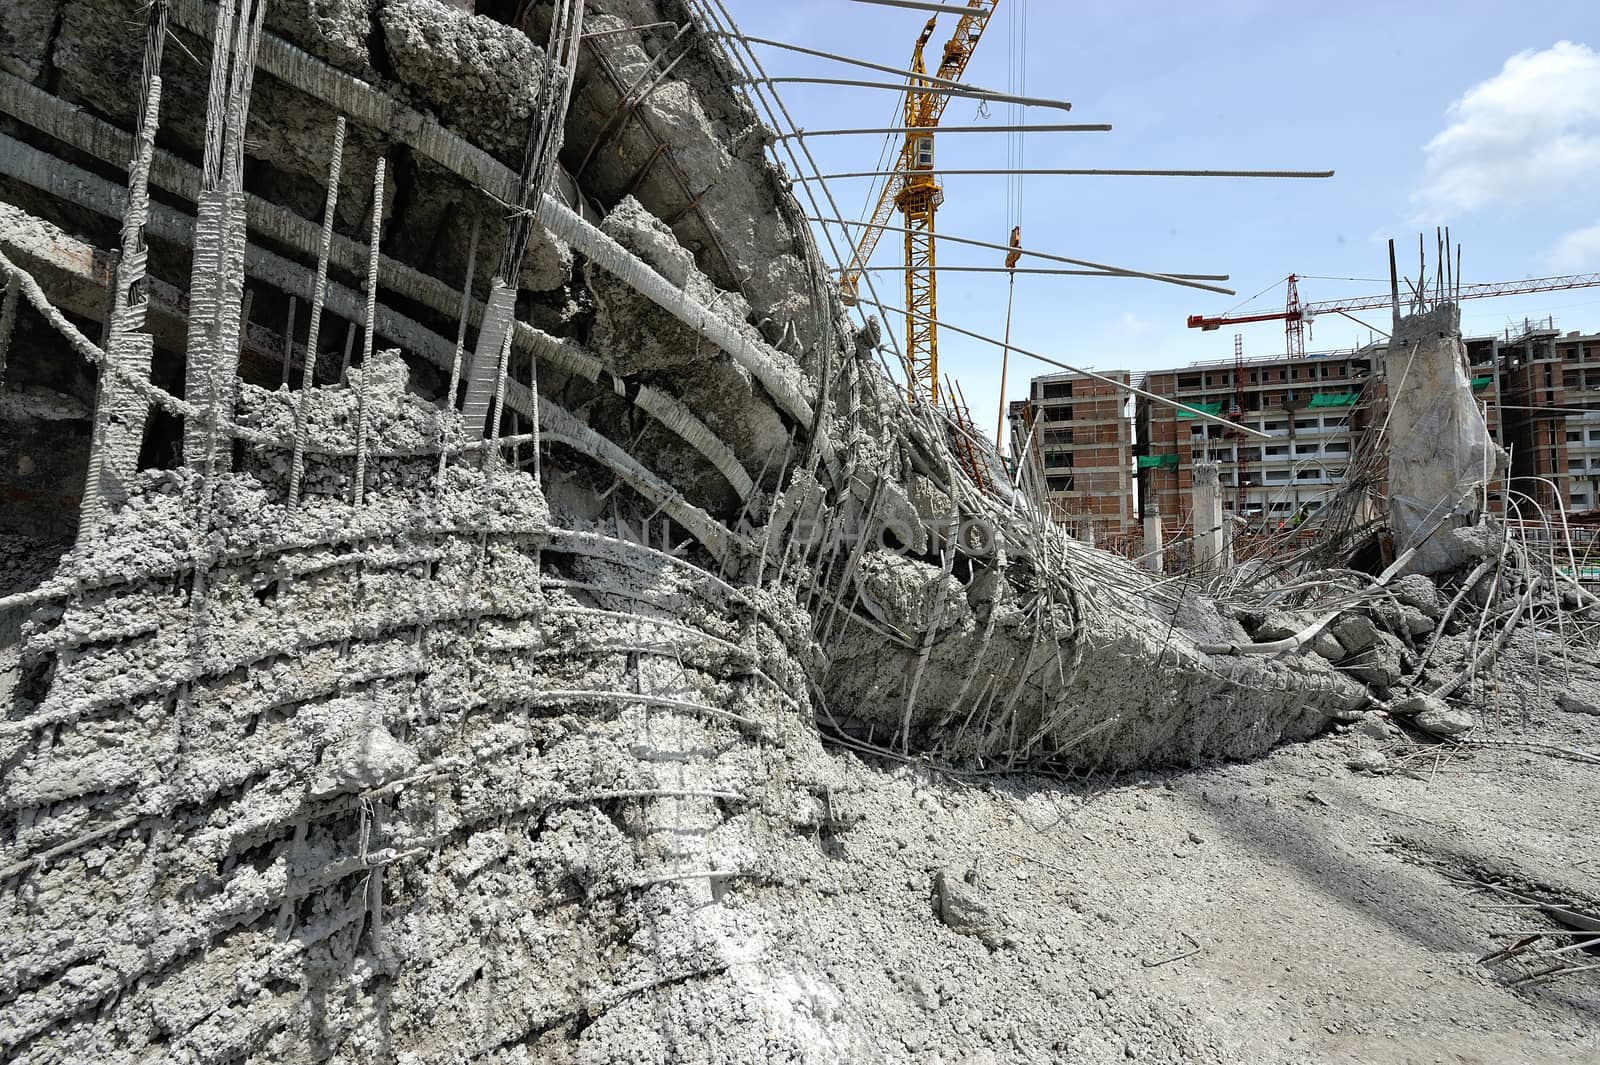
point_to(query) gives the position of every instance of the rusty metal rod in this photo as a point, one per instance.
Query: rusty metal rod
(1032, 270)
(1123, 271)
(921, 79)
(1113, 382)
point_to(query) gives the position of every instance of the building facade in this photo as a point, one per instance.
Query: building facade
(1313, 411)
(1078, 432)
(1107, 460)
(1549, 383)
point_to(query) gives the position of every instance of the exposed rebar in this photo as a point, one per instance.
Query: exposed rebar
(319, 294)
(362, 386)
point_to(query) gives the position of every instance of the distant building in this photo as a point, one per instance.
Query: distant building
(1310, 408)
(1078, 432)
(1549, 386)
(1106, 460)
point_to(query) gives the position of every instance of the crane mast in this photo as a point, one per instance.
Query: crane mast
(914, 190)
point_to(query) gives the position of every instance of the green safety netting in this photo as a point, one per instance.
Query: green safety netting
(1158, 462)
(1336, 399)
(1481, 383)
(1207, 408)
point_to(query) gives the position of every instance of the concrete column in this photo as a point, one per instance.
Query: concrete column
(1210, 538)
(120, 411)
(1153, 543)
(216, 303)
(1439, 446)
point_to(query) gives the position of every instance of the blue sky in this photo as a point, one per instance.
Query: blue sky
(1471, 113)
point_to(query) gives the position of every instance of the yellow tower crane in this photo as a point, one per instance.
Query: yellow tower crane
(915, 191)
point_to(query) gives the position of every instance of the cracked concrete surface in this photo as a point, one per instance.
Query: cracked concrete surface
(629, 761)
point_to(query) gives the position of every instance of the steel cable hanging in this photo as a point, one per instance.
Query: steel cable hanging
(1016, 139)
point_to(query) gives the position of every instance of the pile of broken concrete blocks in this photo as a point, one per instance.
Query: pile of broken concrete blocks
(1378, 644)
(1375, 644)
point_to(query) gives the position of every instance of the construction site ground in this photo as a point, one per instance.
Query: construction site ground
(1287, 909)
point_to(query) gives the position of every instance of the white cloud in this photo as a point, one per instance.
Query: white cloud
(1131, 325)
(1531, 130)
(1578, 251)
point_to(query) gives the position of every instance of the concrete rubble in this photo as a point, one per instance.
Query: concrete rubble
(692, 704)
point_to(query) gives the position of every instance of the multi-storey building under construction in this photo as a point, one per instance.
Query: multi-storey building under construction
(1108, 460)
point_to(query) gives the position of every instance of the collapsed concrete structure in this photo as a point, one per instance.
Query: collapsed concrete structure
(1441, 456)
(443, 675)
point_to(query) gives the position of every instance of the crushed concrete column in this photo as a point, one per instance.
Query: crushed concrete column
(1440, 450)
(216, 300)
(120, 409)
(1152, 539)
(1210, 538)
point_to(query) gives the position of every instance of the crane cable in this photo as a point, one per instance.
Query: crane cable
(875, 189)
(1016, 161)
(1016, 85)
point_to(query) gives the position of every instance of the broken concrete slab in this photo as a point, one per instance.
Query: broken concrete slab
(480, 76)
(1375, 725)
(1277, 625)
(1355, 632)
(1328, 647)
(1368, 760)
(1415, 622)
(1378, 665)
(963, 905)
(1576, 703)
(1433, 715)
(26, 34)
(1447, 721)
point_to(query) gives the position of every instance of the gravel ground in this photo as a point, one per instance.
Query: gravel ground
(1287, 909)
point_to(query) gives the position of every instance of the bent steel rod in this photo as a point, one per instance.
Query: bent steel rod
(900, 87)
(720, 15)
(921, 79)
(1121, 385)
(1076, 173)
(1081, 127)
(928, 5)
(594, 34)
(1120, 270)
(1031, 270)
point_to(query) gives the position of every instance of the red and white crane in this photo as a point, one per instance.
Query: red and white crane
(1297, 316)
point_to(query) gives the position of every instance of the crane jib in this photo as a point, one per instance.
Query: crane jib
(1482, 290)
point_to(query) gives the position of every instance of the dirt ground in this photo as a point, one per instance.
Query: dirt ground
(1288, 909)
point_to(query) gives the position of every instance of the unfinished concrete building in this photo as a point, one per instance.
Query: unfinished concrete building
(1549, 385)
(1084, 445)
(465, 576)
(1315, 411)
(1536, 389)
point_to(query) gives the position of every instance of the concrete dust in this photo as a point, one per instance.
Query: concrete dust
(708, 711)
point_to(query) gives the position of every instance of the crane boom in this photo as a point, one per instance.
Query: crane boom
(915, 192)
(1307, 311)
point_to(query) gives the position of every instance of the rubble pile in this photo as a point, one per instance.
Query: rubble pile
(589, 664)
